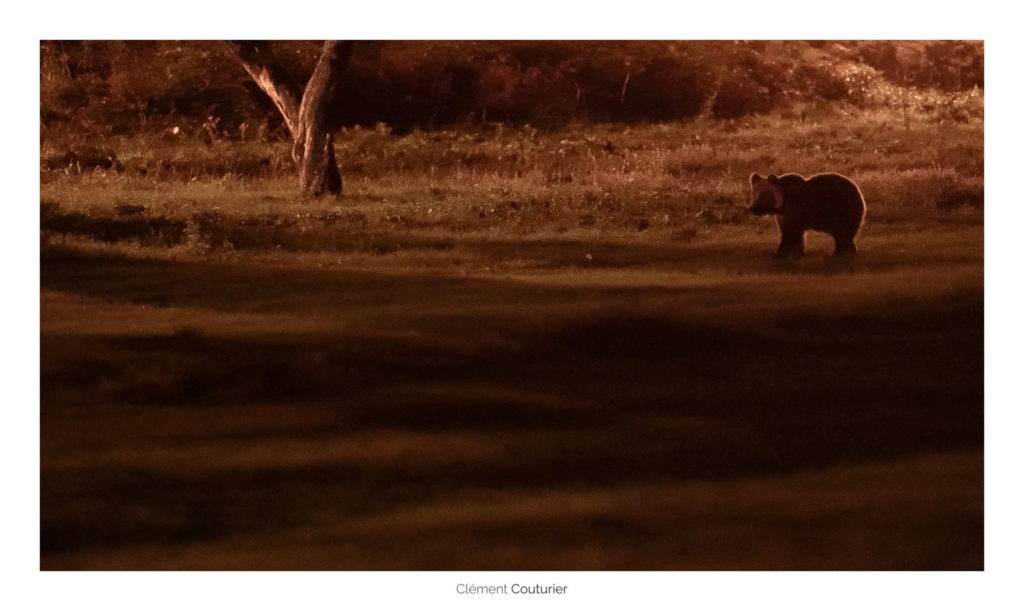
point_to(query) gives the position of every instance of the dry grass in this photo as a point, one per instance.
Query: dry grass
(514, 349)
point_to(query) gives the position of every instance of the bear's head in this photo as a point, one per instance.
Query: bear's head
(765, 194)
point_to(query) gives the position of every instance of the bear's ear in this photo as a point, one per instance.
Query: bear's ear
(755, 178)
(773, 179)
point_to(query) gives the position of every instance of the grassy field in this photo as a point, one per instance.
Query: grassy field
(512, 349)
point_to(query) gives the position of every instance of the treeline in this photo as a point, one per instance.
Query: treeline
(123, 87)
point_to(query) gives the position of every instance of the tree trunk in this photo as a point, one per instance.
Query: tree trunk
(307, 114)
(314, 137)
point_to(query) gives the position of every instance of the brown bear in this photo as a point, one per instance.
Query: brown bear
(829, 203)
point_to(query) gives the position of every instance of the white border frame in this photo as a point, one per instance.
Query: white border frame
(644, 19)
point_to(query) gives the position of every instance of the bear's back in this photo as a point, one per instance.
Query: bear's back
(830, 203)
(835, 189)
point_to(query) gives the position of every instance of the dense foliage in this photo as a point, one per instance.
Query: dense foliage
(97, 88)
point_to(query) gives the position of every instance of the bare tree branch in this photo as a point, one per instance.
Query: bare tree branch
(272, 77)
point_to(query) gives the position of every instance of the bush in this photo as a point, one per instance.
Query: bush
(741, 94)
(947, 65)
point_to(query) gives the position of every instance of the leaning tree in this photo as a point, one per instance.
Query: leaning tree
(306, 111)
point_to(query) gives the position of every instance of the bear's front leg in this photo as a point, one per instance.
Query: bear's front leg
(792, 243)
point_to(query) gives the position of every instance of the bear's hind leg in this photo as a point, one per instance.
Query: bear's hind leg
(844, 246)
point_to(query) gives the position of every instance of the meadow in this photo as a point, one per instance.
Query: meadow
(513, 348)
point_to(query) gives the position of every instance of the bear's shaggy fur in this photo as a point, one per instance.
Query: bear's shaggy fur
(830, 203)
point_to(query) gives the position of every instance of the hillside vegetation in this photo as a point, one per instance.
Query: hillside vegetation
(99, 88)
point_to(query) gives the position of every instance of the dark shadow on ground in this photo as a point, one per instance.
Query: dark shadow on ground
(252, 288)
(617, 401)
